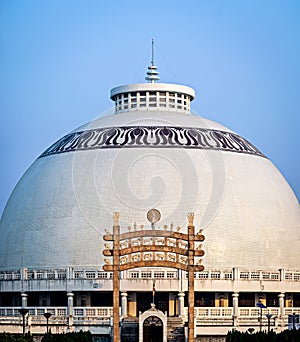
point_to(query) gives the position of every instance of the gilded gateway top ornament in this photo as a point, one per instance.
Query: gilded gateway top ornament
(116, 218)
(153, 215)
(191, 219)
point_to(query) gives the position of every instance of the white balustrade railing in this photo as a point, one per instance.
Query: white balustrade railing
(86, 311)
(213, 312)
(104, 312)
(99, 275)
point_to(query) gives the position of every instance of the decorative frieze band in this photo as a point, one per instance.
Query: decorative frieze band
(153, 137)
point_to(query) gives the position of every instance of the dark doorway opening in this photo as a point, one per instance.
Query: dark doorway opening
(153, 329)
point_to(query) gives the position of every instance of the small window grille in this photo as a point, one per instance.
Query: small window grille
(171, 275)
(254, 275)
(296, 276)
(244, 275)
(17, 275)
(102, 275)
(62, 275)
(39, 275)
(90, 275)
(8, 276)
(215, 275)
(159, 274)
(134, 275)
(146, 275)
(51, 275)
(203, 275)
(78, 274)
(275, 276)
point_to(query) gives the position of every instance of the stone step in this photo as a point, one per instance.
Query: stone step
(175, 330)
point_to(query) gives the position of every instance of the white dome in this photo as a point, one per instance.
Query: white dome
(135, 161)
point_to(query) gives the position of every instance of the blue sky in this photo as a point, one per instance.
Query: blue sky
(59, 59)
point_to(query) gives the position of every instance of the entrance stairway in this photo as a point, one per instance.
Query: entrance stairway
(130, 329)
(175, 330)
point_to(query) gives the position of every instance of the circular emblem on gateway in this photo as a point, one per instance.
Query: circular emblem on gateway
(153, 215)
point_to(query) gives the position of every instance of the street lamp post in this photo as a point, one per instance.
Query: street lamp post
(23, 312)
(47, 315)
(261, 306)
(269, 323)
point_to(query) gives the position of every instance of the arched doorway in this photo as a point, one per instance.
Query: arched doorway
(153, 329)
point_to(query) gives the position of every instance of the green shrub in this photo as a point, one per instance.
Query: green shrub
(4, 337)
(69, 337)
(285, 336)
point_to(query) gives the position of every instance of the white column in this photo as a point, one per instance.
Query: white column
(235, 304)
(281, 304)
(24, 297)
(235, 272)
(70, 296)
(124, 304)
(181, 303)
(23, 273)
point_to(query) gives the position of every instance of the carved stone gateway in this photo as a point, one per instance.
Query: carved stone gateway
(153, 248)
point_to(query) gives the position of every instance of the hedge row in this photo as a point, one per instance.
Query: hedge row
(69, 337)
(285, 336)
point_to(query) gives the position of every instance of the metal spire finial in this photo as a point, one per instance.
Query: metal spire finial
(152, 61)
(152, 73)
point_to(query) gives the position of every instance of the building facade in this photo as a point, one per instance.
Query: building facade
(153, 161)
